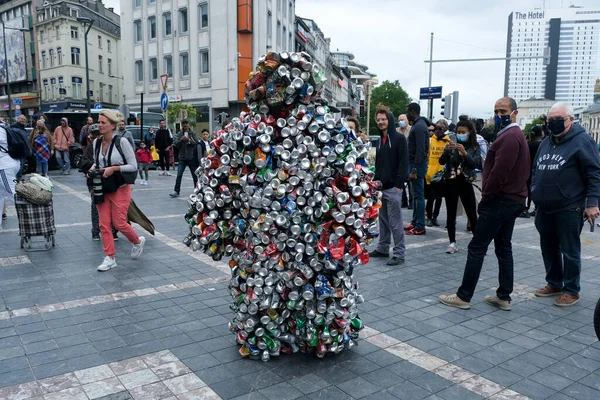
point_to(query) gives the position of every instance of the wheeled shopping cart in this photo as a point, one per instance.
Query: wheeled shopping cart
(35, 220)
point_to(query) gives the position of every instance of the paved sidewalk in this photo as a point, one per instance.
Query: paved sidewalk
(157, 327)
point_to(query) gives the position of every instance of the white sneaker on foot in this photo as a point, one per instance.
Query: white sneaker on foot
(138, 249)
(169, 174)
(452, 248)
(107, 264)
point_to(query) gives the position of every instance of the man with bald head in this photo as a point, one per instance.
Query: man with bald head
(504, 191)
(404, 128)
(565, 187)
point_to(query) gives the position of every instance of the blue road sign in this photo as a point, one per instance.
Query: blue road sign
(428, 93)
(164, 101)
(17, 113)
(17, 100)
(98, 106)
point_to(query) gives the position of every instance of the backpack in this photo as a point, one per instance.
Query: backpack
(128, 177)
(18, 143)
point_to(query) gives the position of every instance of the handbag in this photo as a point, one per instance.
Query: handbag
(33, 193)
(438, 177)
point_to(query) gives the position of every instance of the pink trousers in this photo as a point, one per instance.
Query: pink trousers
(113, 211)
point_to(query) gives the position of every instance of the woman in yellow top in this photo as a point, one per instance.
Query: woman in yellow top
(437, 144)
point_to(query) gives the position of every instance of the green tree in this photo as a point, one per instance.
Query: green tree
(177, 112)
(538, 121)
(390, 94)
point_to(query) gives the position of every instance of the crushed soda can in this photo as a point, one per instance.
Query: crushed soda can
(288, 196)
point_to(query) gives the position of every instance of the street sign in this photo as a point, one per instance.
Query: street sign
(62, 91)
(432, 92)
(164, 101)
(91, 93)
(97, 106)
(17, 100)
(17, 107)
(17, 113)
(163, 81)
(31, 111)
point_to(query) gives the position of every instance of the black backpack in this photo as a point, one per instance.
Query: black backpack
(18, 143)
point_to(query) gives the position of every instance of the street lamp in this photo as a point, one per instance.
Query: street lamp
(6, 66)
(87, 22)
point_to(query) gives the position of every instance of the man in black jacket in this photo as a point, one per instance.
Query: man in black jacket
(163, 143)
(418, 154)
(186, 141)
(391, 169)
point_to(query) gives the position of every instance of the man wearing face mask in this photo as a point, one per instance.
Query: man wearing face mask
(418, 153)
(504, 192)
(404, 129)
(437, 143)
(565, 187)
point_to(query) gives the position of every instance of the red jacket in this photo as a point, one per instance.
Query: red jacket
(144, 156)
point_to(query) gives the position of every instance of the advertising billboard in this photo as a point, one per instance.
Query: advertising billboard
(15, 49)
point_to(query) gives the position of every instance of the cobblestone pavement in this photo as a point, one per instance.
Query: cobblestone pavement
(156, 327)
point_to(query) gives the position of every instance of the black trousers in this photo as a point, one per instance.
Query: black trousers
(163, 160)
(496, 222)
(455, 189)
(433, 205)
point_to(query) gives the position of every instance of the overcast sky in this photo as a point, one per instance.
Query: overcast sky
(392, 38)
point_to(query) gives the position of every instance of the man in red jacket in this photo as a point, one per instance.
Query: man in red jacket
(505, 175)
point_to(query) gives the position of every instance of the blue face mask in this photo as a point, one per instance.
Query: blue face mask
(462, 137)
(143, 146)
(502, 121)
(402, 124)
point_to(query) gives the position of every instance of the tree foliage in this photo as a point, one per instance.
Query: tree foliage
(390, 94)
(178, 111)
(538, 121)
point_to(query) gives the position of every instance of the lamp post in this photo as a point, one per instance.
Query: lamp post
(87, 22)
(4, 28)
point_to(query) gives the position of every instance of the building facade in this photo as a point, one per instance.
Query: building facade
(531, 109)
(572, 37)
(359, 74)
(206, 48)
(22, 72)
(61, 56)
(590, 117)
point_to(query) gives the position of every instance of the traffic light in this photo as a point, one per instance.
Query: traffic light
(447, 106)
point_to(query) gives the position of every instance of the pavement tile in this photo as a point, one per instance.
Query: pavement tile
(104, 387)
(581, 392)
(310, 383)
(231, 388)
(153, 391)
(408, 391)
(551, 380)
(532, 389)
(94, 374)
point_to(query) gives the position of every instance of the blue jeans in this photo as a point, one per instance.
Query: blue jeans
(496, 222)
(63, 160)
(191, 164)
(561, 248)
(418, 194)
(42, 167)
(21, 169)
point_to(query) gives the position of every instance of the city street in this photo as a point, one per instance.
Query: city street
(156, 328)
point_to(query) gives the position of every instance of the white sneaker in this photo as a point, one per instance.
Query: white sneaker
(107, 264)
(144, 182)
(169, 174)
(138, 249)
(452, 248)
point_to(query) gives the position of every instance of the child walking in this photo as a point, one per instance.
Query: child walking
(144, 159)
(42, 144)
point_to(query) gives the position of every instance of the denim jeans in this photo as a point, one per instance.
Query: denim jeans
(561, 248)
(63, 160)
(496, 222)
(21, 169)
(191, 164)
(42, 167)
(418, 192)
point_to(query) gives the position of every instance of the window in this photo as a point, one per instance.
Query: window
(51, 52)
(137, 33)
(76, 84)
(110, 67)
(139, 71)
(153, 70)
(203, 11)
(57, 32)
(59, 53)
(75, 55)
(183, 20)
(278, 33)
(110, 93)
(152, 28)
(100, 65)
(74, 32)
(61, 85)
(43, 59)
(167, 23)
(99, 41)
(204, 62)
(108, 46)
(137, 3)
(269, 24)
(42, 36)
(74, 13)
(284, 39)
(184, 60)
(46, 96)
(101, 95)
(54, 91)
(168, 61)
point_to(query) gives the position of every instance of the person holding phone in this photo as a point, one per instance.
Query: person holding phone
(186, 141)
(565, 187)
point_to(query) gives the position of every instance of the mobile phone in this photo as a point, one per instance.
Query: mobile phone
(453, 138)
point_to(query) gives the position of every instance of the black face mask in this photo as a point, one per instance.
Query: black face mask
(556, 126)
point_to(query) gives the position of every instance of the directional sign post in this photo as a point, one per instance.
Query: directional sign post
(164, 101)
(97, 106)
(17, 101)
(429, 93)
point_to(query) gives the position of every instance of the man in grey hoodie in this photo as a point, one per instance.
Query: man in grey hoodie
(565, 187)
